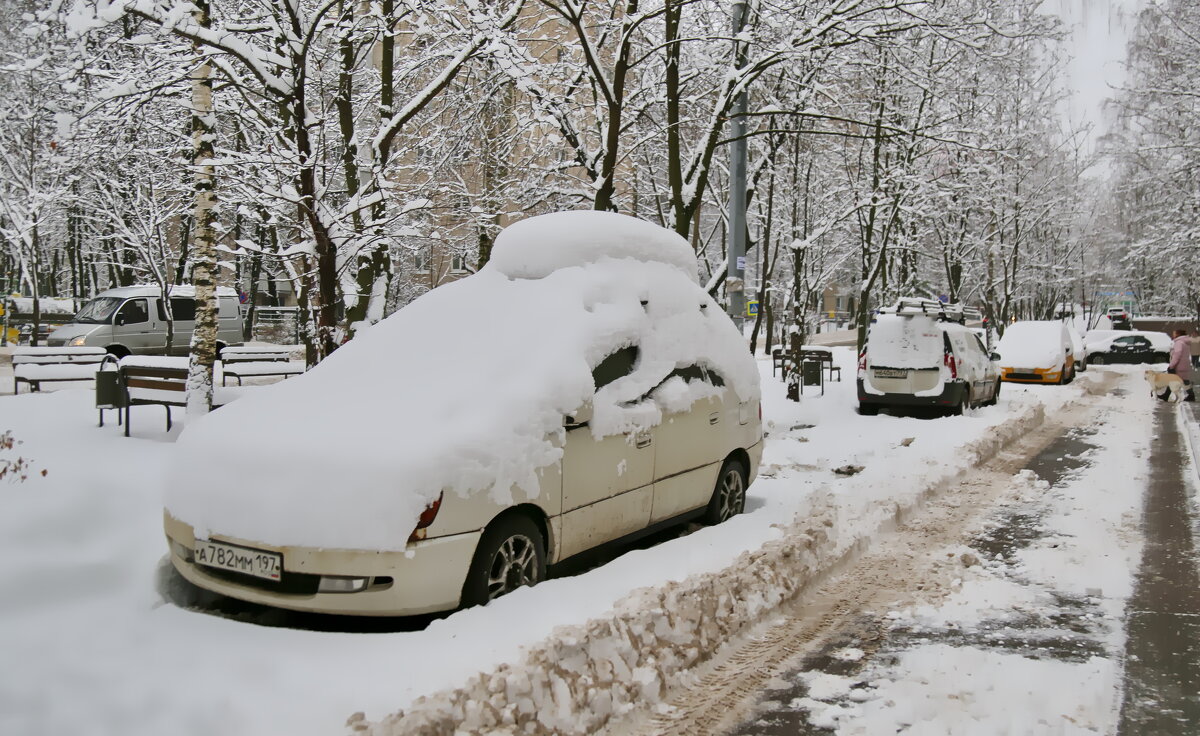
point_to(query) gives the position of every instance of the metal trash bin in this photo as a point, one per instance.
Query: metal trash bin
(810, 372)
(108, 390)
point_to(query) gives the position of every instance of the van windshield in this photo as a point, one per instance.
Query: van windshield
(99, 310)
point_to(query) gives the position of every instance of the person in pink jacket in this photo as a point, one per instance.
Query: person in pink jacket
(1181, 360)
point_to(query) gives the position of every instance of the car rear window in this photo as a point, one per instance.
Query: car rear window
(905, 342)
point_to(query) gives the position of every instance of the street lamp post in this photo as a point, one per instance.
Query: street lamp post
(735, 277)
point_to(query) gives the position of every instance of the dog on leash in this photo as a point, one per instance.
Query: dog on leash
(1160, 382)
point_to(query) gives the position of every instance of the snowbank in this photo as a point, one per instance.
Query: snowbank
(582, 676)
(464, 390)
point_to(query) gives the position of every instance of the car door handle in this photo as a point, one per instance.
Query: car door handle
(643, 440)
(714, 417)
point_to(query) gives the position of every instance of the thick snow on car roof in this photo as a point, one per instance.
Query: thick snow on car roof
(1033, 344)
(538, 246)
(463, 390)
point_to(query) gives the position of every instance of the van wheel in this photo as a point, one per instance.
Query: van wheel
(729, 497)
(868, 410)
(220, 348)
(995, 394)
(118, 351)
(510, 554)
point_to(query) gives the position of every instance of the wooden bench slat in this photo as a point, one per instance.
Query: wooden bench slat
(176, 373)
(157, 385)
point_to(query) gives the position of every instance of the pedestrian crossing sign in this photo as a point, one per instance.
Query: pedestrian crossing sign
(751, 308)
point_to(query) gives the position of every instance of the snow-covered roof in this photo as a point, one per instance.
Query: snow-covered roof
(537, 246)
(1034, 344)
(462, 390)
(184, 290)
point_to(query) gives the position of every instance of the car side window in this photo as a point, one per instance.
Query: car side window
(715, 378)
(617, 365)
(979, 342)
(183, 308)
(134, 312)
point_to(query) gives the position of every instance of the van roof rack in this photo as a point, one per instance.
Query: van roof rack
(947, 312)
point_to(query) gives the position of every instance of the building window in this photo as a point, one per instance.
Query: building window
(456, 263)
(421, 259)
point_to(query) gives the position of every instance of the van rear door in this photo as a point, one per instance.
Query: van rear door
(905, 355)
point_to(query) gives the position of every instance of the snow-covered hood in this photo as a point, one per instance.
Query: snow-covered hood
(463, 390)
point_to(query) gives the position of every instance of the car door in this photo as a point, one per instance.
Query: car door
(690, 442)
(135, 328)
(984, 370)
(608, 482)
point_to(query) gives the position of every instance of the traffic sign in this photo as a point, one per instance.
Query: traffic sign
(751, 308)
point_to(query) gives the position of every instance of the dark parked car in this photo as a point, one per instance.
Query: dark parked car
(1136, 347)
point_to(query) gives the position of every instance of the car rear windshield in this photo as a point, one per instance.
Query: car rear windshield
(905, 342)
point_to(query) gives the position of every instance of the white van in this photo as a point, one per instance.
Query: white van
(919, 353)
(131, 320)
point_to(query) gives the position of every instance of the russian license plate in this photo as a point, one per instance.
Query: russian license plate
(891, 372)
(256, 562)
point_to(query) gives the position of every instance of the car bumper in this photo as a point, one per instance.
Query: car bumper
(1035, 375)
(952, 394)
(424, 578)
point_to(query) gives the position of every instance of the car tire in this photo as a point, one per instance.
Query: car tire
(995, 394)
(729, 495)
(118, 351)
(511, 554)
(1096, 360)
(868, 410)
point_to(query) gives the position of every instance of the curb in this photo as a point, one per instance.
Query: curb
(583, 676)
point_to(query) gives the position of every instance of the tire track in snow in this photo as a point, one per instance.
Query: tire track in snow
(724, 691)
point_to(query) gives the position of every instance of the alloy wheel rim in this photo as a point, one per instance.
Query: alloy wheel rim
(514, 565)
(732, 496)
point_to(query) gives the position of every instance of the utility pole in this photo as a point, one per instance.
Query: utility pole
(735, 277)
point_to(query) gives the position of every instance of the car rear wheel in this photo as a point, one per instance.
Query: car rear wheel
(1097, 360)
(729, 497)
(511, 553)
(868, 410)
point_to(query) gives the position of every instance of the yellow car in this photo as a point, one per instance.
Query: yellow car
(1036, 352)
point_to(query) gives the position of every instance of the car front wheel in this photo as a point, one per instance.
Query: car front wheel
(511, 553)
(1097, 360)
(729, 497)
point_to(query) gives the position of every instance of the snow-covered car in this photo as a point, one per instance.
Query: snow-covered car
(1036, 351)
(1077, 349)
(1127, 346)
(919, 353)
(580, 388)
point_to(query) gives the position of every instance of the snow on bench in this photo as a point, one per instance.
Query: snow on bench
(272, 360)
(162, 381)
(35, 366)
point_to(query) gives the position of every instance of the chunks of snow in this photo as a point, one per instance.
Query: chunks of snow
(464, 390)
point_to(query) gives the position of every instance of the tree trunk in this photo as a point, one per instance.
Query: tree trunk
(203, 351)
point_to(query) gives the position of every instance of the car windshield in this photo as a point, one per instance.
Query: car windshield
(99, 310)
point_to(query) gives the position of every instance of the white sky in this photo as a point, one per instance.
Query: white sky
(1100, 30)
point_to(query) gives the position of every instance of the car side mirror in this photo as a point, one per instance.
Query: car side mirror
(579, 417)
(119, 320)
(995, 356)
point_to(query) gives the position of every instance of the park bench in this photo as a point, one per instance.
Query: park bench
(35, 366)
(247, 362)
(814, 355)
(153, 381)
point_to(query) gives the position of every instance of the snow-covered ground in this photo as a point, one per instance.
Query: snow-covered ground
(94, 644)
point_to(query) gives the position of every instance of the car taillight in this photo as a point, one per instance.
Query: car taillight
(952, 365)
(760, 411)
(426, 518)
(862, 364)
